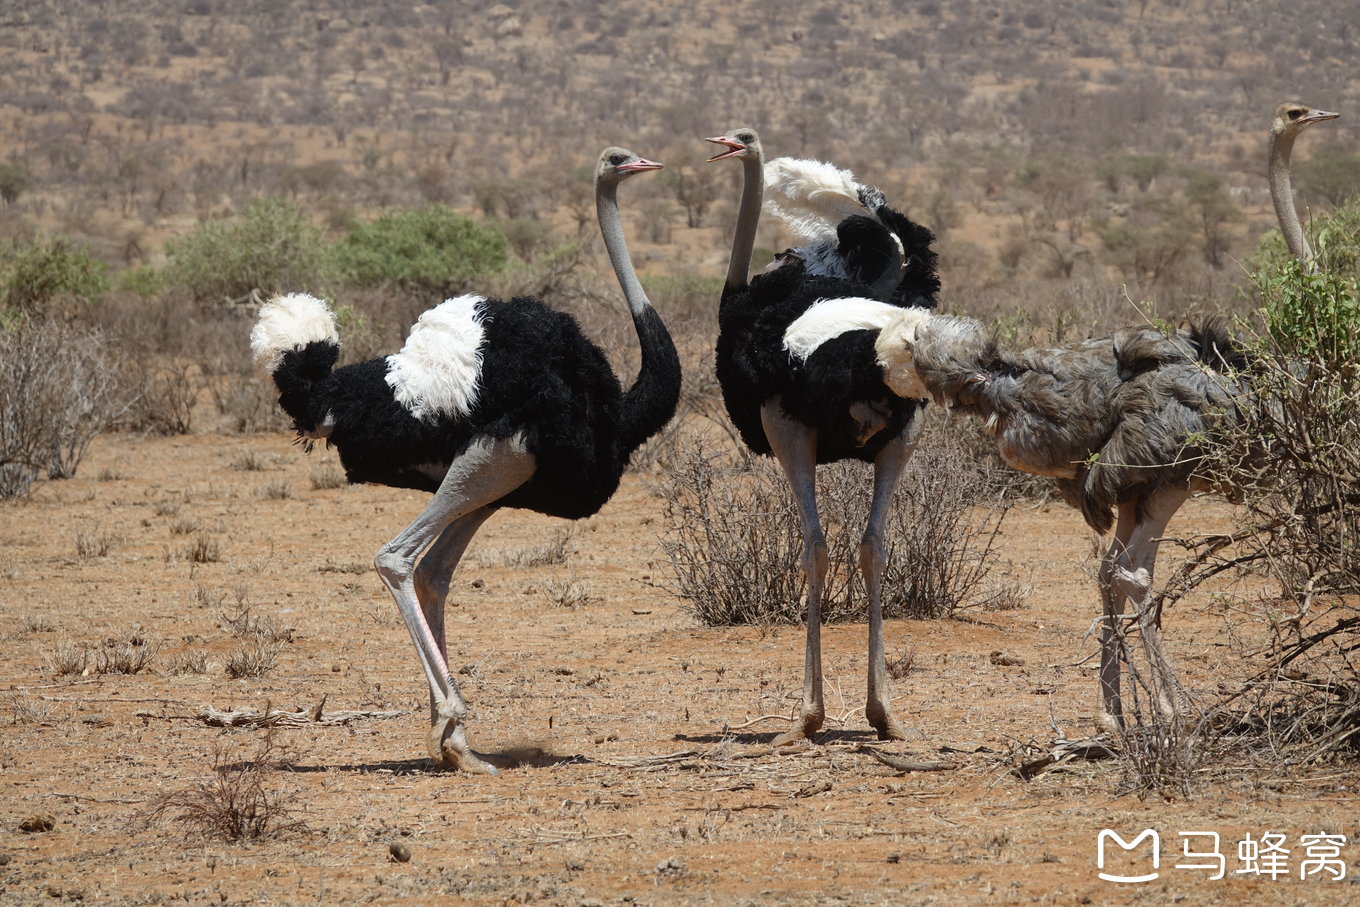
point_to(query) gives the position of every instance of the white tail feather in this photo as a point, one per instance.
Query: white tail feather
(827, 319)
(288, 323)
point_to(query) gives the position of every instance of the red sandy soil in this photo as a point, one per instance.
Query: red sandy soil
(589, 695)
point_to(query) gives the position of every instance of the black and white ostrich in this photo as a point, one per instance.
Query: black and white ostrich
(815, 395)
(489, 404)
(1119, 423)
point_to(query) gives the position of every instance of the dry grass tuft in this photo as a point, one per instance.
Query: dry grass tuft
(254, 659)
(240, 802)
(94, 542)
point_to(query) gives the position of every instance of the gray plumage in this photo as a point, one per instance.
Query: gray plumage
(1119, 423)
(1109, 419)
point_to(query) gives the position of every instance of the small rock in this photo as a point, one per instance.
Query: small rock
(400, 852)
(1001, 658)
(4, 859)
(670, 866)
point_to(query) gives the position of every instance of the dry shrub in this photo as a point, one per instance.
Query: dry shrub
(244, 623)
(325, 478)
(733, 539)
(240, 802)
(569, 592)
(254, 659)
(60, 387)
(124, 656)
(169, 392)
(1291, 453)
(66, 657)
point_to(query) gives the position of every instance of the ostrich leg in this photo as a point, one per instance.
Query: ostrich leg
(795, 446)
(1126, 574)
(888, 466)
(486, 472)
(1112, 608)
(1158, 509)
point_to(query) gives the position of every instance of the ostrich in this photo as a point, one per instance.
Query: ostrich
(816, 396)
(1291, 118)
(489, 404)
(1118, 423)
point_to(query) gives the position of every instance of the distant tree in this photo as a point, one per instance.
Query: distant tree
(49, 269)
(13, 179)
(432, 250)
(1214, 209)
(1151, 242)
(273, 246)
(1330, 175)
(694, 194)
(1142, 169)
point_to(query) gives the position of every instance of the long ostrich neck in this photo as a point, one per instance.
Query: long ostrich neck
(1282, 194)
(952, 354)
(748, 218)
(649, 404)
(611, 228)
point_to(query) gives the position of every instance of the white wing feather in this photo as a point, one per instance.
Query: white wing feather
(810, 197)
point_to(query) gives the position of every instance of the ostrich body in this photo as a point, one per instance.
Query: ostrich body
(1116, 422)
(1291, 118)
(489, 404)
(816, 396)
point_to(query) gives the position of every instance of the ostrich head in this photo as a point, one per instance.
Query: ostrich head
(741, 142)
(1292, 117)
(617, 164)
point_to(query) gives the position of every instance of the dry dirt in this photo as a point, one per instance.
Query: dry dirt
(592, 694)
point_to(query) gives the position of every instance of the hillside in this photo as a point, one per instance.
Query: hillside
(1037, 143)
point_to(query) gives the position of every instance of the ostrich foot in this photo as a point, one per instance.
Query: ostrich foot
(1109, 723)
(449, 748)
(882, 720)
(808, 725)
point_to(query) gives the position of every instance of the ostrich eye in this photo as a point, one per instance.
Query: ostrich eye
(616, 159)
(745, 137)
(1295, 113)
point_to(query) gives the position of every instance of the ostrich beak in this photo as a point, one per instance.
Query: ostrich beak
(1320, 116)
(640, 165)
(734, 147)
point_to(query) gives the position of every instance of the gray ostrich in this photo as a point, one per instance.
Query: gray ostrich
(1291, 119)
(1118, 423)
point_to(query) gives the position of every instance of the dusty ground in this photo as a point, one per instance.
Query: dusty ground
(599, 688)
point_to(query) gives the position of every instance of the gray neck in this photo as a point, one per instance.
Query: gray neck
(607, 208)
(748, 218)
(1282, 194)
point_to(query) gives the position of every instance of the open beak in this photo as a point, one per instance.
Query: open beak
(733, 147)
(641, 165)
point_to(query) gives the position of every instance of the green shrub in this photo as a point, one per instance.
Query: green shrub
(272, 247)
(1291, 454)
(48, 270)
(432, 250)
